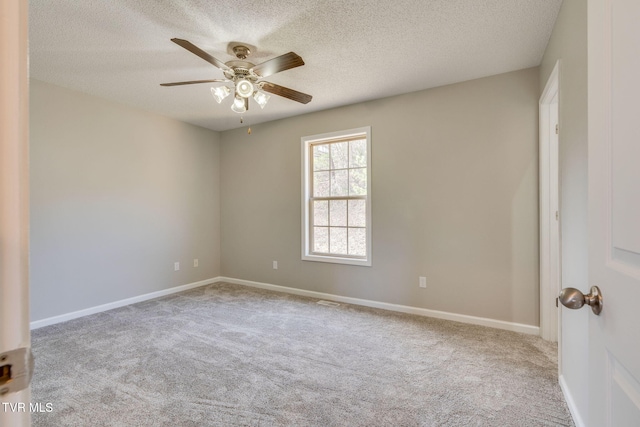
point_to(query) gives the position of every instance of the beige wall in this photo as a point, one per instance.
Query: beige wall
(568, 44)
(117, 196)
(455, 199)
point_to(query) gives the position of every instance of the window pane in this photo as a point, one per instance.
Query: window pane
(357, 213)
(338, 240)
(320, 157)
(338, 213)
(340, 183)
(357, 182)
(358, 153)
(357, 241)
(339, 155)
(321, 184)
(321, 239)
(320, 212)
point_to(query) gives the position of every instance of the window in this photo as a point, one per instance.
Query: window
(336, 197)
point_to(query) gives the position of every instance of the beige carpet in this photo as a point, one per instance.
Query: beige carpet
(227, 355)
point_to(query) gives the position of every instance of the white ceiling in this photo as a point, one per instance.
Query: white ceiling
(354, 50)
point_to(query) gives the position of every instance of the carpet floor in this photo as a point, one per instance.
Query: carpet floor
(228, 355)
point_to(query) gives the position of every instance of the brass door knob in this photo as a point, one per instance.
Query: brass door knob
(574, 299)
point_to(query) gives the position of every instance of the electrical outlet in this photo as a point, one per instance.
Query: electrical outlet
(423, 282)
(176, 266)
(195, 262)
(275, 265)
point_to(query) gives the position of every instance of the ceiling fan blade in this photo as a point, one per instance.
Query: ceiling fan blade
(201, 53)
(286, 92)
(193, 82)
(280, 63)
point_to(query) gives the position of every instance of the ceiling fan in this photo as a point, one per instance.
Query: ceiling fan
(246, 76)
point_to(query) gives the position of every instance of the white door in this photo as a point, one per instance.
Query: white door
(14, 207)
(614, 211)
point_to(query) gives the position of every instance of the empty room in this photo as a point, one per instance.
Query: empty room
(319, 213)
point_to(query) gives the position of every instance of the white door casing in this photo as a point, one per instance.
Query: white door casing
(14, 197)
(614, 211)
(549, 207)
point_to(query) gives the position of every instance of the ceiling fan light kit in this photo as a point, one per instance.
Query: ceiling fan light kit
(244, 88)
(220, 92)
(261, 98)
(246, 77)
(239, 105)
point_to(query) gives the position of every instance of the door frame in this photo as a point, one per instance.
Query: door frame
(14, 195)
(549, 197)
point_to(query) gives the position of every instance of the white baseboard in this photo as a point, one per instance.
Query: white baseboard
(117, 304)
(499, 324)
(568, 397)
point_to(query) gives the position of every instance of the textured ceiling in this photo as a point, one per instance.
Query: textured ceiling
(354, 50)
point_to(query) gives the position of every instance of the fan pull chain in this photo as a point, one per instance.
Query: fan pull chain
(248, 129)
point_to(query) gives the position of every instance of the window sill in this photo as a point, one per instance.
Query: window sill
(337, 260)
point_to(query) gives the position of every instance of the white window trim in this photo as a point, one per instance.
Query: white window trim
(307, 141)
